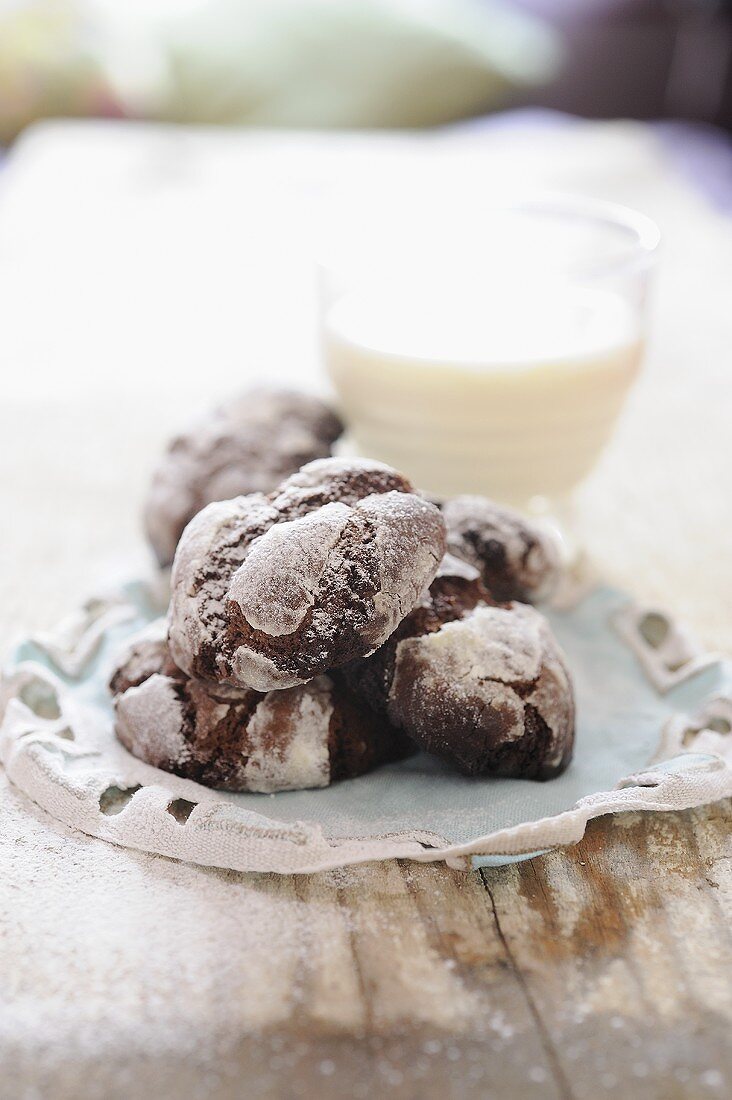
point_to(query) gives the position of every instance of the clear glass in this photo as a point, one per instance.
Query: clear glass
(487, 350)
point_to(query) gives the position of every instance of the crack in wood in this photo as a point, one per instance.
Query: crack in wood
(560, 1079)
(343, 908)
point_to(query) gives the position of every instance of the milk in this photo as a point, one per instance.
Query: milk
(511, 392)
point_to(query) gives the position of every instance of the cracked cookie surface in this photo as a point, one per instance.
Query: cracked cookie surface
(270, 591)
(482, 685)
(307, 736)
(516, 559)
(247, 444)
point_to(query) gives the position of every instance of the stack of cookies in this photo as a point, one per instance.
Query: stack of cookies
(336, 619)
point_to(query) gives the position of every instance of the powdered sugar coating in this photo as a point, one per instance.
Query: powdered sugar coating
(347, 480)
(213, 546)
(247, 444)
(249, 666)
(150, 717)
(489, 692)
(450, 566)
(280, 742)
(555, 704)
(517, 560)
(268, 592)
(243, 740)
(277, 582)
(140, 658)
(494, 643)
(288, 739)
(408, 536)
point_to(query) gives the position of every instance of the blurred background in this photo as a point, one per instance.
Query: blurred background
(156, 251)
(362, 63)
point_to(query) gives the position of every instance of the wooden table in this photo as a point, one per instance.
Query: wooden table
(599, 971)
(602, 970)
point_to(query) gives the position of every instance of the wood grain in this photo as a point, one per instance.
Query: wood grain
(581, 974)
(584, 973)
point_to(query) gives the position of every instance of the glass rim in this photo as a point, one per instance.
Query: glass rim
(642, 232)
(645, 233)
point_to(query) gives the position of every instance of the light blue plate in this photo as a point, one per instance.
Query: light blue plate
(620, 718)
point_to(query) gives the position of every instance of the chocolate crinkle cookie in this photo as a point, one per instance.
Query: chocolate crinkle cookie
(516, 559)
(482, 685)
(307, 736)
(456, 589)
(271, 591)
(247, 445)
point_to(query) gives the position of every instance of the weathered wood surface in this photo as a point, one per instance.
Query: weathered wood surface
(603, 970)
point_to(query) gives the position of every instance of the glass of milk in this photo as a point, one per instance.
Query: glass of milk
(488, 350)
